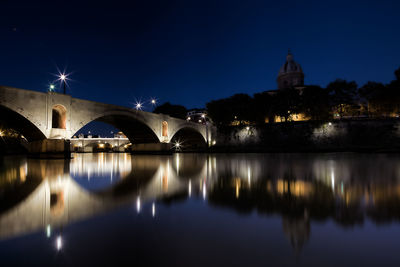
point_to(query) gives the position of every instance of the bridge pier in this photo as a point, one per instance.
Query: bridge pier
(50, 149)
(152, 148)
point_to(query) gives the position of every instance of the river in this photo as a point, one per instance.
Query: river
(201, 210)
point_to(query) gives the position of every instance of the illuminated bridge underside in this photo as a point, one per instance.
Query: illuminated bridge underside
(51, 115)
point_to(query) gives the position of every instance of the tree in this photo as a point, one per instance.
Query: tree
(237, 107)
(315, 102)
(286, 102)
(343, 95)
(375, 94)
(263, 106)
(176, 111)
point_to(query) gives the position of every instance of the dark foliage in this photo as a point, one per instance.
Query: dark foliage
(176, 111)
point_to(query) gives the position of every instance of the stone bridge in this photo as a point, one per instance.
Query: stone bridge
(40, 116)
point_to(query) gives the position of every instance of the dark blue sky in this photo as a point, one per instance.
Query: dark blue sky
(190, 52)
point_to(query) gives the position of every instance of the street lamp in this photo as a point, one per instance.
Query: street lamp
(51, 88)
(63, 79)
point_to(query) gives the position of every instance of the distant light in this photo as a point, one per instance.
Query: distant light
(1, 133)
(177, 144)
(247, 128)
(101, 145)
(199, 120)
(52, 87)
(153, 101)
(214, 142)
(203, 116)
(190, 188)
(63, 77)
(59, 243)
(153, 209)
(330, 123)
(188, 118)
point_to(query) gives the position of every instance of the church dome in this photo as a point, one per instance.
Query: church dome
(290, 74)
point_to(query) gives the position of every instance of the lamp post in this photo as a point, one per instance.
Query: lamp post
(63, 78)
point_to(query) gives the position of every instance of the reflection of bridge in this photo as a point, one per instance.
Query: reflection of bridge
(40, 116)
(58, 200)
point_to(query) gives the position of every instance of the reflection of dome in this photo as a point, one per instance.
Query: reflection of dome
(290, 74)
(297, 230)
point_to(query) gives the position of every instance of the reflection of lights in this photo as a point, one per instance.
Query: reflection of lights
(190, 188)
(177, 164)
(204, 191)
(59, 243)
(153, 209)
(237, 187)
(138, 204)
(48, 230)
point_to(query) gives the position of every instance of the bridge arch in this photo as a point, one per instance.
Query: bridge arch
(11, 118)
(134, 126)
(189, 138)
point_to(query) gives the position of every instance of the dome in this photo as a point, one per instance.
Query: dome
(290, 74)
(290, 65)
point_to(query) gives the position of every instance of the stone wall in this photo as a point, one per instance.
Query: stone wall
(344, 135)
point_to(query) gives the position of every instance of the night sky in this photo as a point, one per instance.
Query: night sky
(190, 52)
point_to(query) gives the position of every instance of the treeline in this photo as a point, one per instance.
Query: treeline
(339, 99)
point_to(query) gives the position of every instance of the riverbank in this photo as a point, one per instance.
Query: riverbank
(365, 135)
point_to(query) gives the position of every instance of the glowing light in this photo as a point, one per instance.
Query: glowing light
(203, 116)
(247, 128)
(153, 209)
(63, 77)
(190, 188)
(1, 133)
(59, 243)
(214, 142)
(138, 204)
(330, 123)
(101, 145)
(48, 230)
(189, 118)
(51, 87)
(153, 101)
(199, 120)
(177, 145)
(138, 106)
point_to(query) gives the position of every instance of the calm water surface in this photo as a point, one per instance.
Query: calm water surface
(201, 210)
